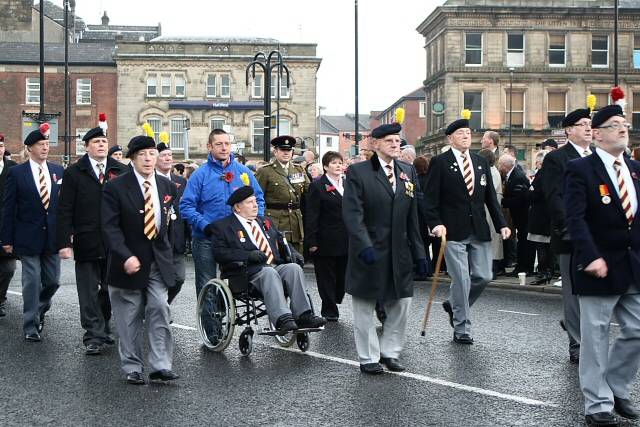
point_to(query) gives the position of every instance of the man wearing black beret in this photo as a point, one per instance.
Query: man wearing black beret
(115, 152)
(79, 234)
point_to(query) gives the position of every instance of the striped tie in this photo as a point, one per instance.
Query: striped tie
(467, 173)
(150, 229)
(101, 174)
(261, 241)
(390, 177)
(44, 193)
(624, 194)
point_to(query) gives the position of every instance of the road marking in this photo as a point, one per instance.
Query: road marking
(186, 328)
(14, 292)
(519, 312)
(463, 387)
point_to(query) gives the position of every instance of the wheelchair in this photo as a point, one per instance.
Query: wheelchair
(231, 301)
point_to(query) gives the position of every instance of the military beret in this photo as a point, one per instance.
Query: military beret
(140, 142)
(454, 126)
(34, 137)
(385, 130)
(284, 142)
(605, 113)
(549, 143)
(94, 133)
(573, 117)
(403, 143)
(240, 194)
(114, 149)
(162, 146)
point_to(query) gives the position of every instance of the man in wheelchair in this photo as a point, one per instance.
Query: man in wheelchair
(272, 264)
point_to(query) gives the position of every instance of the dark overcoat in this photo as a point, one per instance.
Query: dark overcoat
(3, 178)
(324, 226)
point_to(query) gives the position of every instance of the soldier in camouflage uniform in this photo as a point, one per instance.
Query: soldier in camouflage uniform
(284, 185)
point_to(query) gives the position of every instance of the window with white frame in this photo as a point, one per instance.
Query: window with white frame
(515, 50)
(636, 51)
(83, 91)
(284, 90)
(329, 141)
(256, 86)
(165, 85)
(422, 112)
(80, 145)
(217, 123)
(211, 86)
(156, 125)
(284, 128)
(473, 103)
(635, 117)
(225, 85)
(180, 86)
(473, 49)
(517, 112)
(176, 141)
(557, 50)
(556, 108)
(33, 90)
(257, 135)
(152, 85)
(599, 51)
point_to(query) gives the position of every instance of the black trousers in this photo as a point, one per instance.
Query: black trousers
(93, 298)
(525, 252)
(330, 276)
(179, 269)
(7, 269)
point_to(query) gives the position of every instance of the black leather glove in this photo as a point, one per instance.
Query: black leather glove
(208, 230)
(257, 257)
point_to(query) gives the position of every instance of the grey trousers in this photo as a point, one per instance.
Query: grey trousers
(270, 281)
(130, 309)
(605, 373)
(469, 264)
(391, 342)
(7, 269)
(88, 281)
(571, 305)
(40, 281)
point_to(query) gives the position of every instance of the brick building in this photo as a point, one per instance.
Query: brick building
(337, 133)
(415, 122)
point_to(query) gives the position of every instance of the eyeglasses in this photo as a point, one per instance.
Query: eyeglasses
(583, 124)
(617, 126)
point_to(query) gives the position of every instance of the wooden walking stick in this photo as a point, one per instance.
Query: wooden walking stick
(434, 283)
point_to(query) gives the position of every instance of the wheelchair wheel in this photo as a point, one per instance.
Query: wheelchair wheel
(303, 341)
(285, 340)
(246, 341)
(216, 315)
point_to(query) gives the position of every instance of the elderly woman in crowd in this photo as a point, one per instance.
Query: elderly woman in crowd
(496, 239)
(315, 171)
(326, 235)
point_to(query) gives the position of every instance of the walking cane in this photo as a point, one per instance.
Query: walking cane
(434, 283)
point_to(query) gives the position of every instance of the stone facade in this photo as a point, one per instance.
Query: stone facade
(168, 80)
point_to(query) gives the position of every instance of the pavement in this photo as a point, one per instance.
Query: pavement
(517, 373)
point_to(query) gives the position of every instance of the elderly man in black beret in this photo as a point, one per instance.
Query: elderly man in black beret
(79, 234)
(137, 212)
(115, 153)
(458, 187)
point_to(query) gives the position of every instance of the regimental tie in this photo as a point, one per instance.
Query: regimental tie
(624, 194)
(150, 229)
(101, 174)
(263, 245)
(44, 193)
(390, 177)
(467, 173)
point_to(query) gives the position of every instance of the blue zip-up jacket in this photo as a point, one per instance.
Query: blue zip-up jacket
(205, 199)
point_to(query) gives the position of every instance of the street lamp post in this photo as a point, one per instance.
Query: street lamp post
(615, 46)
(510, 104)
(357, 116)
(67, 101)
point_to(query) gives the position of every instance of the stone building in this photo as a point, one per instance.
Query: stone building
(553, 53)
(199, 84)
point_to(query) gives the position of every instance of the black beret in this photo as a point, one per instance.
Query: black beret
(7, 153)
(114, 149)
(605, 113)
(550, 143)
(454, 126)
(403, 143)
(94, 133)
(385, 130)
(240, 194)
(573, 117)
(284, 142)
(34, 137)
(161, 147)
(140, 142)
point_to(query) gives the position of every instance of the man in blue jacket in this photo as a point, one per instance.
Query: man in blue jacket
(204, 200)
(29, 228)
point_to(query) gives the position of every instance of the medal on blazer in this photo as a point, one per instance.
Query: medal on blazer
(241, 236)
(604, 193)
(483, 180)
(296, 178)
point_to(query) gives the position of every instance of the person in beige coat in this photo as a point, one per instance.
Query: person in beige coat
(496, 239)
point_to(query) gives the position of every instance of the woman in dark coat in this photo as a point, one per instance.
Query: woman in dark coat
(325, 234)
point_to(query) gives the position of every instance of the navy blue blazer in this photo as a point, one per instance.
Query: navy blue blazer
(26, 225)
(599, 229)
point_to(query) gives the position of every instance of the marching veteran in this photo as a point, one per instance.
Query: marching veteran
(285, 185)
(380, 212)
(601, 204)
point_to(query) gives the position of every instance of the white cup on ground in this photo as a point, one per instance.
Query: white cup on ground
(522, 277)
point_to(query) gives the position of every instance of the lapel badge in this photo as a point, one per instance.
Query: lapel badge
(241, 236)
(606, 200)
(141, 211)
(483, 180)
(479, 168)
(604, 193)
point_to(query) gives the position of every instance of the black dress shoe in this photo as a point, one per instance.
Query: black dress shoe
(601, 419)
(447, 307)
(371, 368)
(32, 337)
(331, 318)
(392, 364)
(285, 323)
(135, 378)
(462, 338)
(563, 326)
(310, 320)
(109, 340)
(3, 311)
(92, 349)
(625, 408)
(163, 375)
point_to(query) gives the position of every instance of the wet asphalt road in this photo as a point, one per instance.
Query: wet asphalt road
(517, 373)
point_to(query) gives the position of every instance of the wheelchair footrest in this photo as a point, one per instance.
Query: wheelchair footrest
(273, 333)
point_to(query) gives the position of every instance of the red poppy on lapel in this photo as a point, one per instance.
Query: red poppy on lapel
(167, 199)
(329, 188)
(403, 176)
(267, 224)
(111, 175)
(227, 177)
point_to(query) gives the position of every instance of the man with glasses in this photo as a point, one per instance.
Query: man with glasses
(601, 204)
(577, 127)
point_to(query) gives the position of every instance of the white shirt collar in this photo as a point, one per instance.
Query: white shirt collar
(579, 149)
(459, 153)
(168, 175)
(142, 179)
(35, 165)
(384, 164)
(607, 158)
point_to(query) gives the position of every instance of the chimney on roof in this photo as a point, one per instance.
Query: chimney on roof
(105, 19)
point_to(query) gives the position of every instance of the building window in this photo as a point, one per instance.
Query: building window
(635, 120)
(329, 141)
(473, 49)
(156, 125)
(599, 51)
(176, 141)
(473, 103)
(180, 86)
(422, 110)
(225, 85)
(83, 91)
(515, 50)
(602, 100)
(211, 86)
(256, 88)
(80, 145)
(557, 50)
(33, 90)
(285, 127)
(517, 113)
(152, 85)
(636, 51)
(217, 123)
(284, 90)
(165, 85)
(257, 135)
(556, 108)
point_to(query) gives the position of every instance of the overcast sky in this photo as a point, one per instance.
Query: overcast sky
(392, 60)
